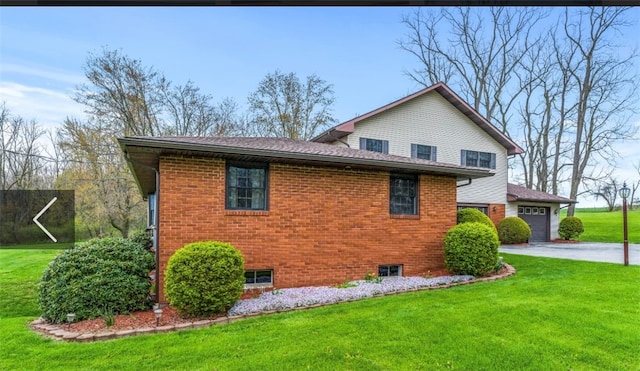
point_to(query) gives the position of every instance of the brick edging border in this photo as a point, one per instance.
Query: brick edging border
(57, 332)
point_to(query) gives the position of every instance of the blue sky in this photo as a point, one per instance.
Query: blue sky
(225, 51)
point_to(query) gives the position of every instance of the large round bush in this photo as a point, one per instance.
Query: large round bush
(471, 248)
(204, 278)
(470, 215)
(513, 229)
(570, 228)
(98, 276)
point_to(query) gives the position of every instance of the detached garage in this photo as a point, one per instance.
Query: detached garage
(539, 209)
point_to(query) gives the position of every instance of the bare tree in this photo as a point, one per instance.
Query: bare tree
(608, 191)
(282, 106)
(191, 113)
(634, 188)
(566, 93)
(21, 162)
(606, 89)
(123, 93)
(480, 57)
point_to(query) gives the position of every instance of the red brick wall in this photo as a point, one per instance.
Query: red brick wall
(324, 225)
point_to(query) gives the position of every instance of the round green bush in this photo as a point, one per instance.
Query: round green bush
(98, 276)
(513, 229)
(470, 215)
(471, 248)
(570, 228)
(204, 278)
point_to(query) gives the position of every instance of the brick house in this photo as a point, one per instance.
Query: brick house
(302, 213)
(436, 124)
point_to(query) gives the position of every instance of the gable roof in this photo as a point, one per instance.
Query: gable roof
(143, 154)
(520, 193)
(347, 127)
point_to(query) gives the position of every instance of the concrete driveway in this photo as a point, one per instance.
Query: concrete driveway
(590, 251)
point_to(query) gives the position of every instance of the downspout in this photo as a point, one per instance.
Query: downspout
(464, 185)
(156, 227)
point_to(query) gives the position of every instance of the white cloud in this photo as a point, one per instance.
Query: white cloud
(48, 107)
(49, 74)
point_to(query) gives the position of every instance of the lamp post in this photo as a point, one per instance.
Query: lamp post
(157, 310)
(70, 318)
(624, 193)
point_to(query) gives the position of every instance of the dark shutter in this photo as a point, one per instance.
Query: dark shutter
(414, 150)
(463, 157)
(434, 153)
(363, 143)
(493, 161)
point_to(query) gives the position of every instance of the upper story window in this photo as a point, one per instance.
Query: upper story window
(375, 145)
(403, 194)
(247, 186)
(478, 159)
(424, 152)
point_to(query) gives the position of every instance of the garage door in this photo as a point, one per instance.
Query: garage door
(538, 219)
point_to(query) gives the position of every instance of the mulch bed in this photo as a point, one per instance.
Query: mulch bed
(135, 320)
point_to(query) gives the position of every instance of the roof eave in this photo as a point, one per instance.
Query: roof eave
(526, 199)
(461, 173)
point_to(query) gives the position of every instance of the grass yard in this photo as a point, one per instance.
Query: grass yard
(601, 225)
(552, 315)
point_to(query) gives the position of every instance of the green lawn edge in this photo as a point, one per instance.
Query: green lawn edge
(553, 314)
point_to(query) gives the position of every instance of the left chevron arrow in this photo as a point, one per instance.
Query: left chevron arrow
(35, 219)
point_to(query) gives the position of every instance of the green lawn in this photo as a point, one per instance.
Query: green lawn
(604, 226)
(552, 315)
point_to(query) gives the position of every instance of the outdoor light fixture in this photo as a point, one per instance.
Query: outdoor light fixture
(70, 318)
(624, 193)
(158, 312)
(555, 211)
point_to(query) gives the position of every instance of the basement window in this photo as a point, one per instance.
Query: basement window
(390, 271)
(258, 278)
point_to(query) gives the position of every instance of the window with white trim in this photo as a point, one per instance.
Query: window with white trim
(478, 159)
(424, 152)
(374, 145)
(390, 271)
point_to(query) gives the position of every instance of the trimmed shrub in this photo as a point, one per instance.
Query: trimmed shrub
(471, 248)
(102, 274)
(513, 229)
(204, 278)
(142, 238)
(470, 215)
(570, 228)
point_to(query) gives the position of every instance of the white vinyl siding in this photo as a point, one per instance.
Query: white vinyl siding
(432, 120)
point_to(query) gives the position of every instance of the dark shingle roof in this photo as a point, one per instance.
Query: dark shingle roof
(520, 193)
(143, 155)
